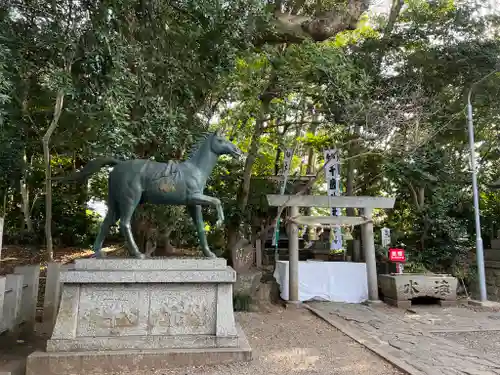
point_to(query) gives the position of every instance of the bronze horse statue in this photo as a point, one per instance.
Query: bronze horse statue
(138, 181)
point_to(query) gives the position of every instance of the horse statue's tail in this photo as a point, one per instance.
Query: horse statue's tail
(92, 167)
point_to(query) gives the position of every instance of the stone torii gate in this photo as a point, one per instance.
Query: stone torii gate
(366, 206)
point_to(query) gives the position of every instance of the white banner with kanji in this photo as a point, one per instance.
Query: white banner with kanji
(332, 175)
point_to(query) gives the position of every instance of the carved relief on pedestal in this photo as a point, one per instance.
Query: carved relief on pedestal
(175, 312)
(115, 316)
(179, 313)
(112, 312)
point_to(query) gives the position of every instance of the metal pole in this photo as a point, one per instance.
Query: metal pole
(479, 239)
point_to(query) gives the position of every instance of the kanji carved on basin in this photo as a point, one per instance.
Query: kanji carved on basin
(400, 290)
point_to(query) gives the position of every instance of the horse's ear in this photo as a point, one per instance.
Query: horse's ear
(218, 132)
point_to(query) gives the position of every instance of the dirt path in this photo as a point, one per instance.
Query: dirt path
(296, 342)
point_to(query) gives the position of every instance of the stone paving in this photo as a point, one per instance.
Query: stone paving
(424, 340)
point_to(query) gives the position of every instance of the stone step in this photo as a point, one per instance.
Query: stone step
(495, 244)
(492, 254)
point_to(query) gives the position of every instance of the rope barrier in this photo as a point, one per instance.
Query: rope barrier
(292, 219)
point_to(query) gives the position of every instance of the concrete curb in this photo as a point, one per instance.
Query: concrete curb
(486, 304)
(377, 349)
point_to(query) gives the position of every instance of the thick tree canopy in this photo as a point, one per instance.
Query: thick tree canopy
(135, 79)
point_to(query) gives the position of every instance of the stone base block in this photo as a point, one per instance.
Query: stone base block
(153, 304)
(293, 305)
(406, 304)
(128, 362)
(397, 303)
(130, 316)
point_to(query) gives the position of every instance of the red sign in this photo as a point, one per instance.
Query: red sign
(397, 255)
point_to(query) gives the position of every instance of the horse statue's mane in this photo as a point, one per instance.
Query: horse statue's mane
(198, 142)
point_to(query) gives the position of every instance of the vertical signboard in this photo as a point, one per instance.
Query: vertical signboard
(332, 171)
(386, 237)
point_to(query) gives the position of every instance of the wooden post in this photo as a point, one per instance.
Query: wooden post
(293, 258)
(258, 253)
(370, 259)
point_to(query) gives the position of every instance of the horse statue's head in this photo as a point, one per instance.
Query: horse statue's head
(220, 145)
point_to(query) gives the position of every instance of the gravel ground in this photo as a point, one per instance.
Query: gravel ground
(283, 342)
(296, 342)
(486, 342)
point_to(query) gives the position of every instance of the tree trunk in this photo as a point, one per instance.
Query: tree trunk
(311, 161)
(23, 186)
(279, 148)
(351, 163)
(25, 199)
(244, 190)
(349, 187)
(1, 234)
(164, 248)
(311, 158)
(425, 219)
(48, 183)
(277, 161)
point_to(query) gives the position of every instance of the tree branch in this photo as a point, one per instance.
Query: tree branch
(293, 28)
(396, 7)
(413, 194)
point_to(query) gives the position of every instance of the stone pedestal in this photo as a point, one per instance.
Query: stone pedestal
(128, 314)
(399, 290)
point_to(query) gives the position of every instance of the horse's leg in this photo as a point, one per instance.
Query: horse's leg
(127, 208)
(195, 212)
(108, 221)
(202, 199)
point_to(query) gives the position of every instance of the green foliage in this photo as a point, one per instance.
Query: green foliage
(146, 79)
(413, 267)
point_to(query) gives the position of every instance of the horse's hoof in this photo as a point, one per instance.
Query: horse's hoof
(140, 256)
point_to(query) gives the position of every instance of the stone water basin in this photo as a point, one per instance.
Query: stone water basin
(400, 289)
